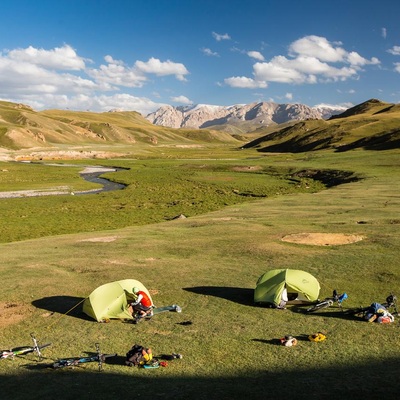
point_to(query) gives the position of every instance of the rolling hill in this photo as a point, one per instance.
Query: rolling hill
(23, 128)
(372, 125)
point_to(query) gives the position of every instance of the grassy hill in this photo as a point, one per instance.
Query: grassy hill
(373, 125)
(23, 128)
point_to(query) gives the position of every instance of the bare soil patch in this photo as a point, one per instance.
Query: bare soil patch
(322, 239)
(105, 239)
(11, 313)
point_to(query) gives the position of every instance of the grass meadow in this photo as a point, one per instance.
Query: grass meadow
(55, 250)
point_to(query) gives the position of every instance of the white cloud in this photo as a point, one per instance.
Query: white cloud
(58, 78)
(384, 33)
(23, 77)
(115, 73)
(397, 67)
(181, 100)
(256, 55)
(318, 47)
(311, 59)
(159, 68)
(218, 37)
(395, 50)
(244, 82)
(209, 52)
(60, 58)
(289, 96)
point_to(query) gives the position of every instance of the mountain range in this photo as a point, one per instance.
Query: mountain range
(246, 117)
(373, 125)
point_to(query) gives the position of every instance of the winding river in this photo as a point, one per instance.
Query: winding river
(90, 174)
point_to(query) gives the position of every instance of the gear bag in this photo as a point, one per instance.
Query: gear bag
(138, 356)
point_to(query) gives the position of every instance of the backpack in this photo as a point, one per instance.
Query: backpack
(138, 356)
(376, 308)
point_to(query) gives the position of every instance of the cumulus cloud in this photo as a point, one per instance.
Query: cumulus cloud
(244, 82)
(256, 55)
(310, 59)
(209, 52)
(218, 37)
(181, 100)
(60, 78)
(60, 58)
(395, 50)
(289, 96)
(116, 73)
(397, 67)
(159, 68)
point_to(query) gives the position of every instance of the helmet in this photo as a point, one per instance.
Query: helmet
(135, 289)
(317, 337)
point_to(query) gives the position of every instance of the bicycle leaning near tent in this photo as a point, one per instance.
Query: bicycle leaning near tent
(328, 302)
(362, 312)
(75, 361)
(22, 350)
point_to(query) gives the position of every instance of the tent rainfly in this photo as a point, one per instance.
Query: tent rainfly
(300, 286)
(110, 301)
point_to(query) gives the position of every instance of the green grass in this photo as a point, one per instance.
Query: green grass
(157, 190)
(208, 264)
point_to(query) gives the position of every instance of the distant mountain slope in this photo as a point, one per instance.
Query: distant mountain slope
(245, 117)
(372, 125)
(23, 128)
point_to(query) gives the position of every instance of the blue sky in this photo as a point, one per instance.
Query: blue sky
(138, 55)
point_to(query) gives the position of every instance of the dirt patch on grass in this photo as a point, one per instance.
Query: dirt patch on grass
(247, 168)
(100, 239)
(322, 239)
(11, 313)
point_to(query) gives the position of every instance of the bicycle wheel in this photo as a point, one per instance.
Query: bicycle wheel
(320, 306)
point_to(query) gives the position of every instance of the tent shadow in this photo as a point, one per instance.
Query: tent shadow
(235, 294)
(72, 306)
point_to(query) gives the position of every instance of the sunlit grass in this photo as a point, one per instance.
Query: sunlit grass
(208, 264)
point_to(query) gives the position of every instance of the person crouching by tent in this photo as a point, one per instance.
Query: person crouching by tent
(143, 304)
(284, 299)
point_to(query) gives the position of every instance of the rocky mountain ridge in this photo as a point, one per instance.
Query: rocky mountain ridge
(260, 114)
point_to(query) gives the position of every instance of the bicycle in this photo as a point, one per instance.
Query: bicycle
(22, 350)
(328, 302)
(75, 361)
(391, 302)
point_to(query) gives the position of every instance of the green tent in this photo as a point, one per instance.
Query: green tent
(300, 285)
(110, 301)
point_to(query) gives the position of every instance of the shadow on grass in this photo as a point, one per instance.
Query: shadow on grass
(328, 313)
(235, 294)
(69, 305)
(368, 380)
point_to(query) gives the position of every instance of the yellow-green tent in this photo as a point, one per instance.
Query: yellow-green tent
(300, 286)
(110, 301)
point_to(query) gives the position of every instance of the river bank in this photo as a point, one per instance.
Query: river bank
(91, 174)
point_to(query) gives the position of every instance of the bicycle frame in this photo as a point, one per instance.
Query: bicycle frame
(329, 301)
(75, 361)
(22, 350)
